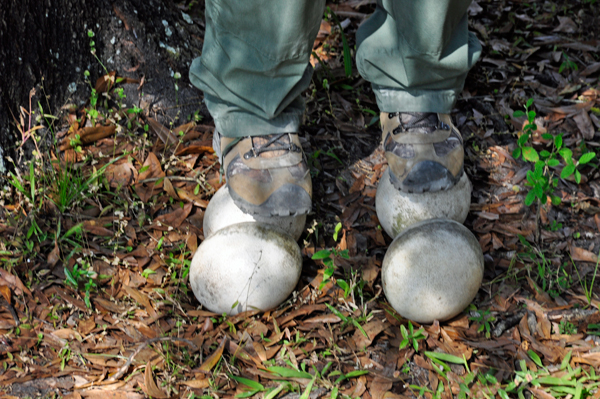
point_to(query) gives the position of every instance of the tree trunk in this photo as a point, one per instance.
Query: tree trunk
(44, 44)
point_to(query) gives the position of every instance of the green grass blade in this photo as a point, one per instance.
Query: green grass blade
(274, 392)
(289, 373)
(356, 373)
(250, 383)
(306, 393)
(445, 357)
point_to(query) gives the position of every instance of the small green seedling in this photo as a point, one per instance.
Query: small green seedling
(411, 336)
(484, 319)
(328, 256)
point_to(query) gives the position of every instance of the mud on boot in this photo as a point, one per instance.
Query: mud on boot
(424, 151)
(267, 175)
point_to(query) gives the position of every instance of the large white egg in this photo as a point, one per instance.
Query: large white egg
(397, 210)
(245, 266)
(222, 212)
(432, 270)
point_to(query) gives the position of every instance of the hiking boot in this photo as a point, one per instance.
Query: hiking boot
(424, 151)
(266, 175)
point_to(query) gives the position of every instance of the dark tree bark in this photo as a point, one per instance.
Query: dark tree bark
(44, 45)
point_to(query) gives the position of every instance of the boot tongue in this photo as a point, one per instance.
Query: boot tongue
(419, 122)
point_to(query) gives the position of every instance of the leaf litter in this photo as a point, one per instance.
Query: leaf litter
(95, 294)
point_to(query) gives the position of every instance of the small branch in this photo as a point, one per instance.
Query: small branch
(508, 323)
(175, 178)
(573, 314)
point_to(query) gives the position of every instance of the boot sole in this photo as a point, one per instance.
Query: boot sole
(287, 200)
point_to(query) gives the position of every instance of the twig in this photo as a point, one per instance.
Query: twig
(508, 323)
(141, 346)
(573, 314)
(175, 178)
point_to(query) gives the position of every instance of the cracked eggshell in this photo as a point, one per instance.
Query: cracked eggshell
(245, 266)
(222, 212)
(397, 210)
(432, 270)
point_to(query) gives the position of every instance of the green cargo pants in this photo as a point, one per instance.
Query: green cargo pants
(255, 59)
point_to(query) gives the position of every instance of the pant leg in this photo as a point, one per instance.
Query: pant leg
(255, 63)
(416, 53)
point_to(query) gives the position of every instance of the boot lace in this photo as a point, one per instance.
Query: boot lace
(427, 122)
(268, 146)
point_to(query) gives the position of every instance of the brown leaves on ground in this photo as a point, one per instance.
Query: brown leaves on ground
(140, 228)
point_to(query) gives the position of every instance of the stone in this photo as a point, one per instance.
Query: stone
(222, 212)
(245, 266)
(432, 270)
(398, 210)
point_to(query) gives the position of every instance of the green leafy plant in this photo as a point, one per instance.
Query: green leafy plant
(83, 275)
(567, 64)
(593, 329)
(567, 328)
(588, 288)
(555, 226)
(551, 280)
(327, 256)
(411, 337)
(346, 320)
(528, 152)
(256, 387)
(541, 179)
(572, 166)
(483, 318)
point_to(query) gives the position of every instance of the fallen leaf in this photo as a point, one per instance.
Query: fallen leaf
(584, 123)
(169, 189)
(583, 255)
(175, 218)
(372, 328)
(566, 25)
(151, 170)
(106, 82)
(122, 175)
(5, 292)
(54, 255)
(214, 358)
(197, 383)
(151, 387)
(162, 132)
(13, 282)
(67, 333)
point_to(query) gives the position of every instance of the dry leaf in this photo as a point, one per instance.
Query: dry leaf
(583, 255)
(197, 383)
(152, 171)
(175, 218)
(214, 358)
(151, 387)
(162, 132)
(169, 189)
(566, 25)
(67, 333)
(106, 82)
(122, 175)
(5, 292)
(54, 256)
(584, 123)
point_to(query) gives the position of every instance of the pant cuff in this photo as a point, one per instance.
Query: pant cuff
(233, 122)
(396, 100)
